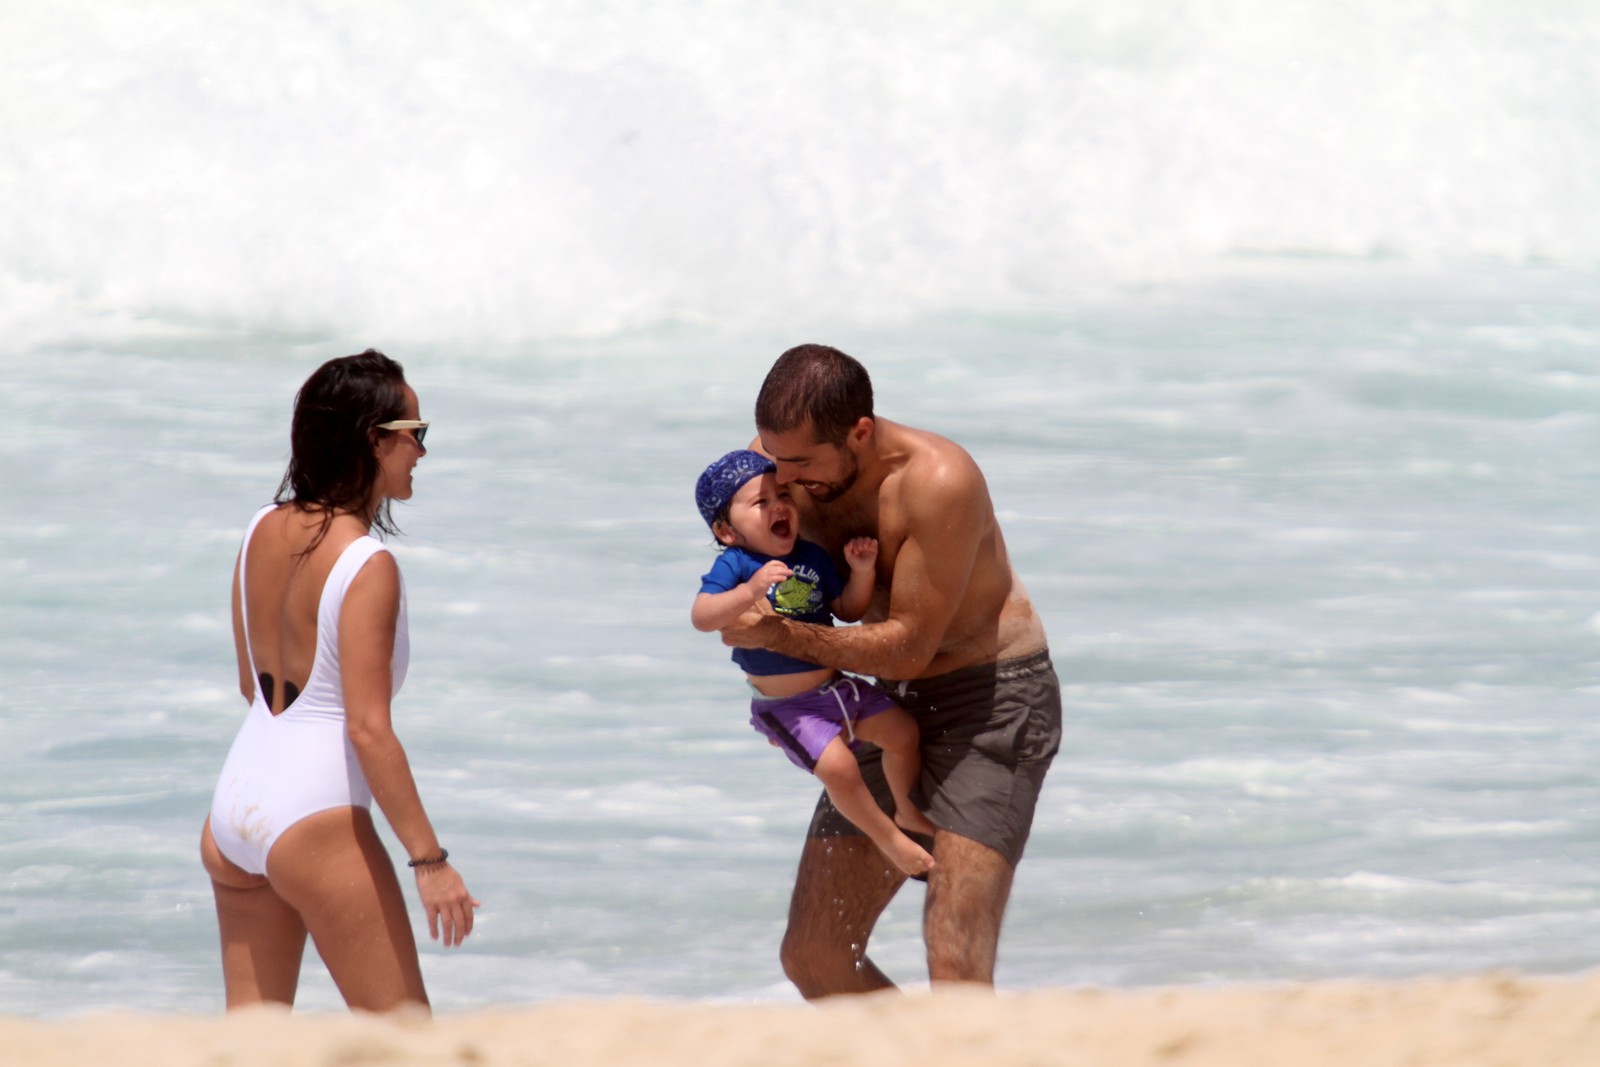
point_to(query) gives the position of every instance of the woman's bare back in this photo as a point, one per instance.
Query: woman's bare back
(283, 590)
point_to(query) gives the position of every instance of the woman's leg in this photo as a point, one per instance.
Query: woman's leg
(263, 939)
(332, 868)
(837, 770)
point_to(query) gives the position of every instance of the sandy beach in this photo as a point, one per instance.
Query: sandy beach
(1497, 1020)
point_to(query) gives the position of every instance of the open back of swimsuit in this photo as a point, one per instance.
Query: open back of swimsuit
(285, 767)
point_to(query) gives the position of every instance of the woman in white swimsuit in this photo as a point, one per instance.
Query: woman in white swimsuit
(319, 624)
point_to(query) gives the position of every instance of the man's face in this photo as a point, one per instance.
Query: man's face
(826, 472)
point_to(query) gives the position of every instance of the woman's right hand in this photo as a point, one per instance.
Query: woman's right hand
(448, 904)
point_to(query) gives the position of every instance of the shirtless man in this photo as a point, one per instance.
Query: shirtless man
(951, 634)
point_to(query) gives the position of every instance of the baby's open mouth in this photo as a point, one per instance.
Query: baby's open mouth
(781, 528)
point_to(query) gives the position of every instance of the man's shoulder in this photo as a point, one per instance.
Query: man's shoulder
(933, 465)
(921, 447)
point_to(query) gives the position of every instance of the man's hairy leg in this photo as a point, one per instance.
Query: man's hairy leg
(967, 894)
(841, 888)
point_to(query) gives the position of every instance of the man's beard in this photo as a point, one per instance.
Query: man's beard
(832, 491)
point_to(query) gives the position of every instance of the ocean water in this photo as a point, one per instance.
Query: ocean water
(1273, 327)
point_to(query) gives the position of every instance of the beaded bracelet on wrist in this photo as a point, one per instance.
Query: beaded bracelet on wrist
(443, 855)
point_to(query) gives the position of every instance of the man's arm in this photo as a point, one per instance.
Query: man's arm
(947, 514)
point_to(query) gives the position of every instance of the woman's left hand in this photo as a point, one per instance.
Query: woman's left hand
(448, 904)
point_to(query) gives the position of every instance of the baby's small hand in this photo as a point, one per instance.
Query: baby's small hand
(771, 573)
(861, 552)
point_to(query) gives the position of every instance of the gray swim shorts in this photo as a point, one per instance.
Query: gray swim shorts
(989, 733)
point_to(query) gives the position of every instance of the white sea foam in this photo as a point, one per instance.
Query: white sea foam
(495, 175)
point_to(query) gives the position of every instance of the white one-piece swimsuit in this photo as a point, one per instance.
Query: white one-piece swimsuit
(285, 767)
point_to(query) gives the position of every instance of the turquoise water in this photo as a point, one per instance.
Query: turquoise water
(1288, 404)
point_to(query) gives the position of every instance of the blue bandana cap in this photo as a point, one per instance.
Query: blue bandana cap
(717, 484)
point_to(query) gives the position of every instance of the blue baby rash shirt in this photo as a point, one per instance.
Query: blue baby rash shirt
(804, 595)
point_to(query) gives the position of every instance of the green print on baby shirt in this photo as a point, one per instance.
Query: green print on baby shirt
(795, 596)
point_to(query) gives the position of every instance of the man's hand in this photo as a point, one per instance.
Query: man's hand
(754, 628)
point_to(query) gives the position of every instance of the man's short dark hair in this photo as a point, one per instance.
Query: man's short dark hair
(816, 384)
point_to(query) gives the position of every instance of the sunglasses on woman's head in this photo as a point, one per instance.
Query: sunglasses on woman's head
(417, 425)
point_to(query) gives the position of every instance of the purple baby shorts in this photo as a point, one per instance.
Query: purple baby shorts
(803, 724)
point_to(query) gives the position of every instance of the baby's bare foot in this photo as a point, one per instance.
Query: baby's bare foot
(910, 857)
(910, 819)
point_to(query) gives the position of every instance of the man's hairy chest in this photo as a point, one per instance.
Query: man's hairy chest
(831, 525)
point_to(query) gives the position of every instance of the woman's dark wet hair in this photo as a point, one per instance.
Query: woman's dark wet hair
(332, 464)
(818, 384)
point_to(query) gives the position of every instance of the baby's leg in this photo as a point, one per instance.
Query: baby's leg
(895, 731)
(841, 777)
